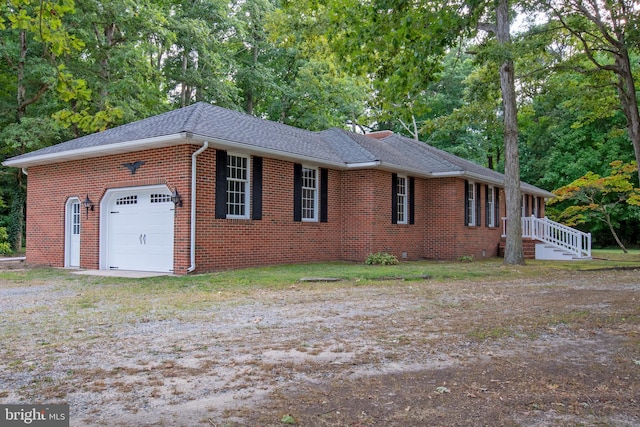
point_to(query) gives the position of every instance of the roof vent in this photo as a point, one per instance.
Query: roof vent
(380, 134)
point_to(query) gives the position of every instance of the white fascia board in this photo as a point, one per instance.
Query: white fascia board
(100, 150)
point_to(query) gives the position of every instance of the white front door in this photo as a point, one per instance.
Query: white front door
(72, 234)
(139, 229)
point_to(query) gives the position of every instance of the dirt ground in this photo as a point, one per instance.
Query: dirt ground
(558, 350)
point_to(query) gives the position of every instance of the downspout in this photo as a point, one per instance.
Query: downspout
(192, 243)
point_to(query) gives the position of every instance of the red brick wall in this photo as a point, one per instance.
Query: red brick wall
(359, 214)
(446, 235)
(276, 238)
(50, 186)
(367, 226)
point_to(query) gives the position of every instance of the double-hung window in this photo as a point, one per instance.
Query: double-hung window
(491, 210)
(472, 204)
(237, 186)
(401, 200)
(309, 194)
(470, 195)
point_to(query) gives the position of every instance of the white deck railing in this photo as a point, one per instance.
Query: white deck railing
(556, 234)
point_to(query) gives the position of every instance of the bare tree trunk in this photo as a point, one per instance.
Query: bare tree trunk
(513, 254)
(17, 205)
(629, 102)
(183, 88)
(250, 94)
(607, 218)
(413, 131)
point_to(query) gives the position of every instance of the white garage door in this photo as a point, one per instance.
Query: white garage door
(140, 230)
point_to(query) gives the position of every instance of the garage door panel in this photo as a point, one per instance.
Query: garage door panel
(141, 226)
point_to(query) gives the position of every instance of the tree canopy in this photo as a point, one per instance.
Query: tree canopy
(426, 69)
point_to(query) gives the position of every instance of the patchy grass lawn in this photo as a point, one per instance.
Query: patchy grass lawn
(421, 343)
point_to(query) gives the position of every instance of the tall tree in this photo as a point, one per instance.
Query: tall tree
(464, 109)
(513, 253)
(199, 66)
(570, 124)
(253, 51)
(600, 198)
(33, 40)
(310, 87)
(606, 32)
(122, 85)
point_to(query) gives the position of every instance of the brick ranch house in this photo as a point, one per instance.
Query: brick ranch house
(204, 188)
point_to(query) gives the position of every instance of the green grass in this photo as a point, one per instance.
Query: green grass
(284, 276)
(616, 254)
(160, 297)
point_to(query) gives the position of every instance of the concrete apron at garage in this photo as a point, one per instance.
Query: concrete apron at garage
(122, 273)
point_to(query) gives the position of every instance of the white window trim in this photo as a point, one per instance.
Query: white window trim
(247, 187)
(404, 198)
(316, 191)
(471, 204)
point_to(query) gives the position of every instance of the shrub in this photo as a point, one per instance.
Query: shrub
(5, 246)
(381, 258)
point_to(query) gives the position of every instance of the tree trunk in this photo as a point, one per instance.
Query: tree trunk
(183, 87)
(607, 218)
(629, 101)
(250, 93)
(105, 70)
(513, 254)
(16, 226)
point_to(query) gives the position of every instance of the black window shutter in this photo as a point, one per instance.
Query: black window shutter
(486, 206)
(478, 206)
(324, 195)
(394, 198)
(221, 184)
(467, 220)
(412, 203)
(297, 192)
(256, 202)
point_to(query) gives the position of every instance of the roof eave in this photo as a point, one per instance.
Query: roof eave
(418, 172)
(534, 191)
(100, 150)
(244, 148)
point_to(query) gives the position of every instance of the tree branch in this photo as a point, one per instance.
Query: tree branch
(35, 97)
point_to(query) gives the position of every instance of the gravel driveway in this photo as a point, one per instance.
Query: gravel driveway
(563, 349)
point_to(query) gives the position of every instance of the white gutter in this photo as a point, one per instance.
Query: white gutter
(97, 151)
(363, 165)
(192, 238)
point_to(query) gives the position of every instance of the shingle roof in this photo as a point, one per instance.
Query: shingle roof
(221, 126)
